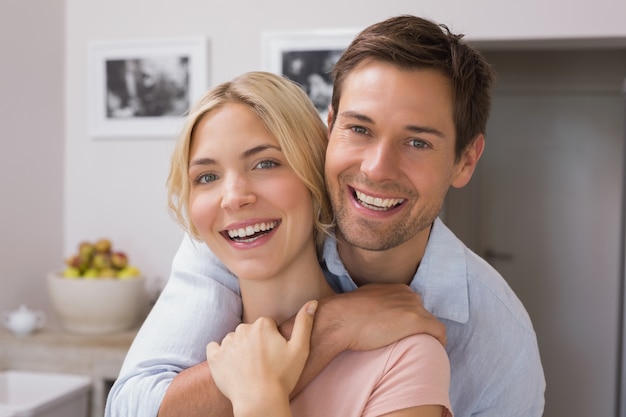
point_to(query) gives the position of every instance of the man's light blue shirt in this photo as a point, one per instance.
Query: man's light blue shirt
(494, 358)
(495, 366)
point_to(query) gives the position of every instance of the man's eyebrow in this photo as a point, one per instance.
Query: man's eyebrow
(246, 154)
(356, 115)
(425, 129)
(411, 128)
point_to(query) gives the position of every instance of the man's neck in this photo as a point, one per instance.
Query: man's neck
(393, 266)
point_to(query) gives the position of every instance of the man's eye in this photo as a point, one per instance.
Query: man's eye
(359, 129)
(265, 164)
(418, 143)
(206, 178)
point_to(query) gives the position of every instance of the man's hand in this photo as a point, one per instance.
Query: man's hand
(376, 315)
(370, 317)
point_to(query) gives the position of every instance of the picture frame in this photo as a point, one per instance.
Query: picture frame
(143, 88)
(307, 57)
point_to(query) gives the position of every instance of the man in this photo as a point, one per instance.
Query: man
(407, 121)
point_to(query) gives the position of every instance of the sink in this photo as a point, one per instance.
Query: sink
(41, 394)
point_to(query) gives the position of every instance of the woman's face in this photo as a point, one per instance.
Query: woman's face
(246, 202)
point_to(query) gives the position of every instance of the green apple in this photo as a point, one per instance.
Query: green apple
(71, 272)
(85, 249)
(103, 246)
(108, 273)
(91, 273)
(101, 261)
(119, 260)
(77, 261)
(129, 272)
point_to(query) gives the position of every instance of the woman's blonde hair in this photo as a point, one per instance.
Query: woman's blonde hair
(288, 114)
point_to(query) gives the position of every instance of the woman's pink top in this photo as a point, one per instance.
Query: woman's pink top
(414, 371)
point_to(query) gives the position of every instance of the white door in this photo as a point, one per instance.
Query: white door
(545, 211)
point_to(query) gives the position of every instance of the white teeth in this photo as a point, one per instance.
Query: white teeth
(376, 203)
(251, 230)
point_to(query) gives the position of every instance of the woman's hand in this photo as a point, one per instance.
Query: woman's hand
(256, 368)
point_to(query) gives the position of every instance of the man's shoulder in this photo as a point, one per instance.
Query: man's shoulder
(490, 293)
(499, 332)
(498, 326)
(456, 271)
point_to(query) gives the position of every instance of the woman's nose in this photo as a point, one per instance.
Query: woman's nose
(237, 192)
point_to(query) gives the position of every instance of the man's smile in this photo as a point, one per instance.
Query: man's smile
(376, 203)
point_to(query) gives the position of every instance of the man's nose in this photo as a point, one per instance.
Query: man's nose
(380, 162)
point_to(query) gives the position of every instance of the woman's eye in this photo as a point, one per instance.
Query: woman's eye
(418, 143)
(266, 164)
(206, 178)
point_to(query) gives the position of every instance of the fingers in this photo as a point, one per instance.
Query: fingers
(303, 325)
(212, 349)
(300, 337)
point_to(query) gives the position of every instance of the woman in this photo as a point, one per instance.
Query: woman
(247, 179)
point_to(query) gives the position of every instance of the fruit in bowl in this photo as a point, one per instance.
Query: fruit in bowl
(99, 260)
(98, 292)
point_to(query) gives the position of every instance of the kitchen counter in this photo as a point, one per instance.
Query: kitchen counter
(53, 350)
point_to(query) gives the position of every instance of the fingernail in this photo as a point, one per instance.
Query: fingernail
(311, 307)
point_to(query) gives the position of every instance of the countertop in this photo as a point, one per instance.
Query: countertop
(55, 350)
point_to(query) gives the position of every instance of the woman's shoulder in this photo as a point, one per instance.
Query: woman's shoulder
(422, 351)
(420, 341)
(413, 355)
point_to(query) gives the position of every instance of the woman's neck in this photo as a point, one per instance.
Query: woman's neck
(280, 297)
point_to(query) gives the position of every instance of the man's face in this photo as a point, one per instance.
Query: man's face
(391, 155)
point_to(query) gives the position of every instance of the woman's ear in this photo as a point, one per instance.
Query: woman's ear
(466, 165)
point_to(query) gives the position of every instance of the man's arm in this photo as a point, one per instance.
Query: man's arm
(193, 393)
(199, 304)
(369, 317)
(165, 370)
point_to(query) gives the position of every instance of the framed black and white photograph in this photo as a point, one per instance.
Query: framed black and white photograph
(307, 57)
(143, 88)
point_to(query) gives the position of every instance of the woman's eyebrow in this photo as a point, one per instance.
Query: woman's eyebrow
(202, 161)
(258, 149)
(246, 154)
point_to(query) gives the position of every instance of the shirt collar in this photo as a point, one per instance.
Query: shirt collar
(441, 278)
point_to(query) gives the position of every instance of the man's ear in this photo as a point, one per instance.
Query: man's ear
(329, 118)
(467, 163)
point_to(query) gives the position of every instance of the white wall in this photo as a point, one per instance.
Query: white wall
(32, 148)
(115, 188)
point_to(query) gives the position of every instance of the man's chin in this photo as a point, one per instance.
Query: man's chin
(368, 239)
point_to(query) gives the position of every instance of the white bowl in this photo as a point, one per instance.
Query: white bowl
(97, 305)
